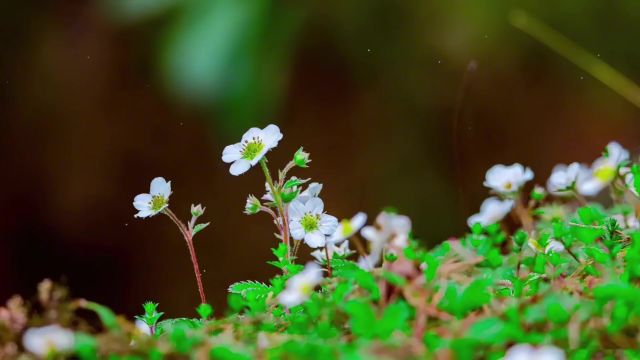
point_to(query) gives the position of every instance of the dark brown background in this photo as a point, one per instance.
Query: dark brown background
(88, 118)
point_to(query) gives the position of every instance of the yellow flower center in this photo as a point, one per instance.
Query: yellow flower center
(310, 222)
(252, 149)
(158, 202)
(605, 173)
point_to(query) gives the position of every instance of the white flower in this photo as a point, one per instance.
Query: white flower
(507, 179)
(312, 191)
(308, 221)
(143, 327)
(392, 229)
(604, 170)
(349, 227)
(492, 210)
(153, 203)
(300, 287)
(554, 246)
(528, 352)
(342, 250)
(45, 340)
(366, 262)
(254, 145)
(564, 179)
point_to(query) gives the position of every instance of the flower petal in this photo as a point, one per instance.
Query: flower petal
(144, 213)
(297, 232)
(159, 186)
(232, 153)
(315, 239)
(314, 205)
(328, 224)
(254, 132)
(271, 135)
(239, 167)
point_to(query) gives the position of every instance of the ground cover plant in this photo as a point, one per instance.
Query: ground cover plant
(546, 273)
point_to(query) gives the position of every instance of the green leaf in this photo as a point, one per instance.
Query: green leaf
(635, 170)
(489, 330)
(86, 346)
(199, 227)
(362, 318)
(107, 317)
(245, 287)
(394, 318)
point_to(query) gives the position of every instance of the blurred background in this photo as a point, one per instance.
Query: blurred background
(402, 104)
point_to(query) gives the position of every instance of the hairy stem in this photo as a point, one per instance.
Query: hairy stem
(278, 200)
(188, 237)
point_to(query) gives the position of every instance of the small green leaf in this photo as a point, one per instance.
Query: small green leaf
(199, 227)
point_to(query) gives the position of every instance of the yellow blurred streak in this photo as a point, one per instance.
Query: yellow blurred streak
(577, 55)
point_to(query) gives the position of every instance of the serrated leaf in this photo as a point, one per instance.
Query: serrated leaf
(258, 289)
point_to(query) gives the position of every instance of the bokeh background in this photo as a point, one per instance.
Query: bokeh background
(402, 104)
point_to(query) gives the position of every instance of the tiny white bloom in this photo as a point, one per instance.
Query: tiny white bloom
(507, 179)
(300, 286)
(308, 221)
(528, 352)
(392, 229)
(604, 170)
(342, 250)
(154, 202)
(554, 246)
(143, 327)
(45, 340)
(366, 263)
(349, 227)
(254, 145)
(565, 179)
(492, 210)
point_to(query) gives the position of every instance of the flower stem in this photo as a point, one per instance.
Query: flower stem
(329, 269)
(278, 200)
(188, 237)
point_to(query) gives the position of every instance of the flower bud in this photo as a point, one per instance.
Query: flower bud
(197, 210)
(253, 205)
(301, 158)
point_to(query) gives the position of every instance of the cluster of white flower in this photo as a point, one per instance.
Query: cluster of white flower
(528, 352)
(574, 179)
(300, 214)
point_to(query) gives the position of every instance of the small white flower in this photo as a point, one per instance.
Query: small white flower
(492, 210)
(528, 352)
(349, 227)
(143, 327)
(366, 263)
(507, 179)
(342, 250)
(300, 286)
(554, 246)
(604, 170)
(308, 221)
(565, 179)
(45, 340)
(392, 229)
(254, 145)
(154, 202)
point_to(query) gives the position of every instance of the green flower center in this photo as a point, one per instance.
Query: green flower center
(605, 174)
(158, 202)
(310, 222)
(346, 227)
(508, 186)
(252, 149)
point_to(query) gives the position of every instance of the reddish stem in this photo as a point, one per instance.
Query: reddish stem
(188, 237)
(329, 269)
